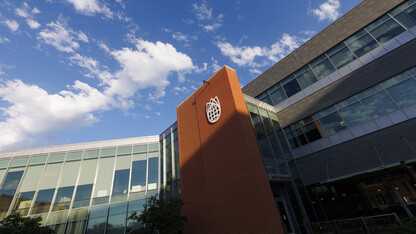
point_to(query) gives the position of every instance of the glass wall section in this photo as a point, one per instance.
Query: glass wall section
(153, 167)
(168, 162)
(138, 172)
(27, 189)
(177, 175)
(121, 174)
(379, 100)
(375, 34)
(66, 186)
(46, 188)
(8, 189)
(104, 180)
(85, 183)
(72, 190)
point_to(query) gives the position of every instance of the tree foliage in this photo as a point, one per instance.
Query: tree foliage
(162, 216)
(408, 227)
(16, 224)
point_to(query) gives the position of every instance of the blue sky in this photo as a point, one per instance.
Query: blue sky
(87, 70)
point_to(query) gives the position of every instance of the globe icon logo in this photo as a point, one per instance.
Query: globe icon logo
(213, 110)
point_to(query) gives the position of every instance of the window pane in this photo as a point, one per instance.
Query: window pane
(378, 104)
(278, 96)
(346, 102)
(140, 149)
(96, 225)
(91, 153)
(19, 162)
(326, 112)
(369, 91)
(406, 20)
(63, 198)
(38, 159)
(267, 100)
(43, 201)
(354, 114)
(153, 172)
(126, 150)
(116, 223)
(138, 207)
(291, 88)
(311, 132)
(104, 180)
(82, 196)
(387, 31)
(31, 179)
(153, 147)
(363, 45)
(4, 163)
(57, 217)
(108, 152)
(323, 69)
(69, 174)
(404, 93)
(332, 123)
(74, 156)
(117, 208)
(8, 189)
(88, 169)
(307, 78)
(75, 227)
(56, 157)
(138, 173)
(121, 184)
(98, 211)
(296, 138)
(342, 57)
(23, 202)
(78, 214)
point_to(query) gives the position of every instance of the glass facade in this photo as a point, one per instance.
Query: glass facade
(90, 190)
(377, 33)
(390, 95)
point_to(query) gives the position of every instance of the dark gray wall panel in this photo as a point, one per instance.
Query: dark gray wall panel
(361, 154)
(380, 69)
(363, 14)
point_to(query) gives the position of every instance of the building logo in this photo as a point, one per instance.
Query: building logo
(213, 110)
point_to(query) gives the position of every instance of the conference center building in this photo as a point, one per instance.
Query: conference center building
(324, 141)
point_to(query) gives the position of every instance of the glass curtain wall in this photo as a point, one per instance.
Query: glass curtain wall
(377, 33)
(170, 152)
(92, 190)
(392, 94)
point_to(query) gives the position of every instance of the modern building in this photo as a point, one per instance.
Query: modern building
(322, 142)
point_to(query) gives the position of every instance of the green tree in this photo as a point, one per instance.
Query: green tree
(408, 227)
(162, 216)
(16, 224)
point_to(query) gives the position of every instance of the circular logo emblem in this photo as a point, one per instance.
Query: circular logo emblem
(213, 110)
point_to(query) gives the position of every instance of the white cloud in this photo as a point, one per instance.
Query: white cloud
(328, 10)
(93, 67)
(202, 11)
(11, 24)
(212, 27)
(34, 112)
(4, 39)
(25, 11)
(308, 32)
(147, 66)
(255, 71)
(60, 36)
(82, 37)
(215, 66)
(246, 55)
(180, 36)
(91, 7)
(33, 24)
(104, 47)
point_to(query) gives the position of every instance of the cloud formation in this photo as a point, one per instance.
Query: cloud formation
(60, 36)
(91, 7)
(246, 55)
(11, 24)
(328, 10)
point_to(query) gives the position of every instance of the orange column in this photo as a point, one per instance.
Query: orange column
(223, 179)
